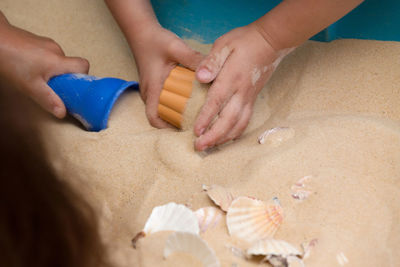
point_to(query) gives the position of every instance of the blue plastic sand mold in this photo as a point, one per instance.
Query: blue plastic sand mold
(90, 99)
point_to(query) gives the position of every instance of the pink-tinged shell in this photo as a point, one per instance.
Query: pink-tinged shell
(208, 217)
(300, 189)
(273, 247)
(308, 247)
(221, 196)
(276, 136)
(251, 219)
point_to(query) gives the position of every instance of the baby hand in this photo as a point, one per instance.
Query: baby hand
(239, 64)
(28, 61)
(157, 51)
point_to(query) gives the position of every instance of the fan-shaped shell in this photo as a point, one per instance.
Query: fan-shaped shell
(169, 217)
(251, 219)
(273, 247)
(208, 217)
(192, 244)
(172, 217)
(221, 196)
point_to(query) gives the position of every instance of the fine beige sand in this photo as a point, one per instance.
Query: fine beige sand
(341, 100)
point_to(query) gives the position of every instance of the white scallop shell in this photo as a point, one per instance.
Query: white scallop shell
(251, 219)
(273, 247)
(221, 196)
(191, 244)
(172, 217)
(275, 136)
(169, 217)
(208, 217)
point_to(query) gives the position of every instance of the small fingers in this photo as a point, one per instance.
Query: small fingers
(64, 65)
(183, 54)
(151, 93)
(239, 128)
(209, 68)
(48, 99)
(222, 126)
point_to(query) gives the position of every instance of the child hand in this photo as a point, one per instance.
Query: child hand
(157, 51)
(28, 61)
(239, 64)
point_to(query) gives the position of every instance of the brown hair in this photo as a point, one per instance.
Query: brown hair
(42, 221)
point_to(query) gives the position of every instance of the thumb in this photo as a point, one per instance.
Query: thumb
(187, 56)
(209, 68)
(74, 65)
(46, 97)
(69, 65)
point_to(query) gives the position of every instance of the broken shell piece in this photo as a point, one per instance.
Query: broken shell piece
(169, 217)
(276, 136)
(221, 196)
(208, 218)
(273, 247)
(308, 248)
(342, 259)
(299, 190)
(251, 219)
(193, 245)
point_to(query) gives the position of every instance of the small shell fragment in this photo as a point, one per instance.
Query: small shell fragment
(169, 217)
(275, 136)
(193, 245)
(221, 196)
(208, 217)
(251, 219)
(273, 247)
(308, 248)
(299, 190)
(342, 259)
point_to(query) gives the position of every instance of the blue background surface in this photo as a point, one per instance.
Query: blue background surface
(206, 20)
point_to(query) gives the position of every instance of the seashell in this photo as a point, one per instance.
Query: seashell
(273, 247)
(298, 189)
(221, 196)
(342, 259)
(251, 219)
(275, 136)
(208, 217)
(191, 244)
(169, 217)
(308, 247)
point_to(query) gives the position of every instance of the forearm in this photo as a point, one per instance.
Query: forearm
(133, 16)
(294, 21)
(3, 21)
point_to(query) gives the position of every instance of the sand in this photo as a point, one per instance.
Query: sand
(341, 99)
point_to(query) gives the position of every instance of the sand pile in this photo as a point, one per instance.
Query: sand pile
(341, 101)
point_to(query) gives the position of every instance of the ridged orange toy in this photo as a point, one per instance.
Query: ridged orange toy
(175, 93)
